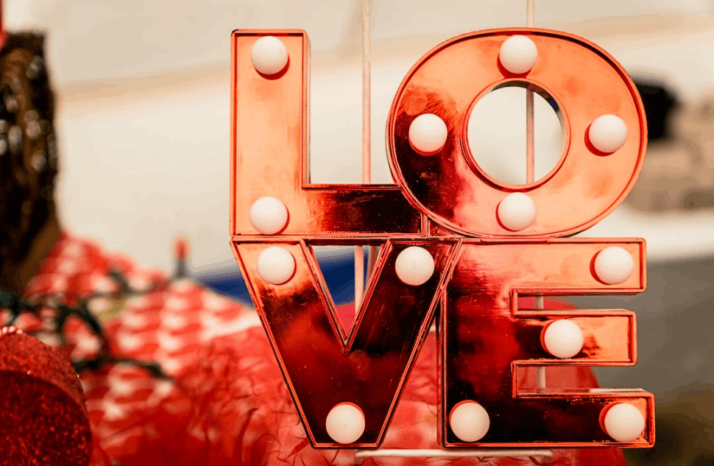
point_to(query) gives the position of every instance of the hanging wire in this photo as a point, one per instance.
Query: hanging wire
(366, 148)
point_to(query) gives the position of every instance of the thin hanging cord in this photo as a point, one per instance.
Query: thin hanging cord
(367, 112)
(366, 152)
(530, 117)
(530, 163)
(366, 93)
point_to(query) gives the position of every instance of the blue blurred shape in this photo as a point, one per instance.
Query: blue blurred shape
(336, 263)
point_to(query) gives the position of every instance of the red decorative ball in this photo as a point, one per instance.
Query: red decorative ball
(43, 418)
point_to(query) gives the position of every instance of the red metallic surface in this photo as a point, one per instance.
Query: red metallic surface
(452, 189)
(322, 365)
(270, 143)
(486, 340)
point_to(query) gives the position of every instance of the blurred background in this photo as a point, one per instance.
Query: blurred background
(143, 122)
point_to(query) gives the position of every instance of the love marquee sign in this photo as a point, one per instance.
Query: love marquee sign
(456, 247)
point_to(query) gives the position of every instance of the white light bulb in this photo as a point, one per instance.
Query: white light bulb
(614, 265)
(345, 423)
(276, 265)
(427, 134)
(624, 422)
(269, 55)
(517, 211)
(607, 133)
(518, 54)
(469, 421)
(268, 215)
(415, 266)
(562, 338)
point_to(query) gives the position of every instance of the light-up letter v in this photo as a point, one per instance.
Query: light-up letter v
(323, 367)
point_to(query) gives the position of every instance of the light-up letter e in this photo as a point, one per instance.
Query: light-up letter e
(490, 243)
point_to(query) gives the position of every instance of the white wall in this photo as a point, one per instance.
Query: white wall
(94, 39)
(144, 117)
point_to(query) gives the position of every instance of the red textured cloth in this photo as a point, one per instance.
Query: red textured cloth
(228, 403)
(43, 418)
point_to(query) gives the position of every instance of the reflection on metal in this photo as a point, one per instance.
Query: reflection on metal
(270, 142)
(447, 205)
(485, 325)
(324, 365)
(543, 455)
(456, 193)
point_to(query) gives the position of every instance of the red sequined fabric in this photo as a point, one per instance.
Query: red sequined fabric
(228, 403)
(42, 414)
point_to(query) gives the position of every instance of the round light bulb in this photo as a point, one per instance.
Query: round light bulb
(624, 422)
(276, 265)
(517, 211)
(269, 55)
(345, 423)
(614, 265)
(562, 338)
(427, 134)
(518, 54)
(607, 133)
(414, 266)
(268, 215)
(469, 421)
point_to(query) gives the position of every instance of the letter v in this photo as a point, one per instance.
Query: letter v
(324, 367)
